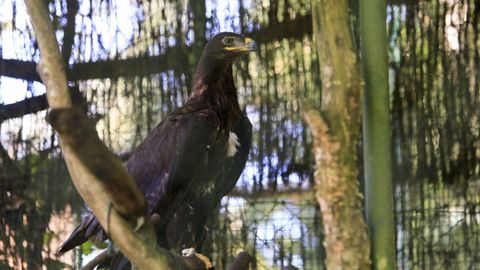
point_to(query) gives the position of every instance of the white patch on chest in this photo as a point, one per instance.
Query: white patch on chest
(233, 143)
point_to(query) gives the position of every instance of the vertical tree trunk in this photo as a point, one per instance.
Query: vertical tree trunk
(376, 134)
(335, 134)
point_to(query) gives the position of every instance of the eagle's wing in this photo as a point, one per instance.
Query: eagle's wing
(164, 165)
(186, 227)
(169, 159)
(243, 129)
(189, 157)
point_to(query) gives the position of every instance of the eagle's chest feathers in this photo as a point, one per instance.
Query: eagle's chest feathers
(233, 144)
(232, 148)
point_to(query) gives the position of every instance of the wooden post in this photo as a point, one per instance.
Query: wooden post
(336, 133)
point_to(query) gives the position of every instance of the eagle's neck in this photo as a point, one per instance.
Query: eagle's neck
(214, 86)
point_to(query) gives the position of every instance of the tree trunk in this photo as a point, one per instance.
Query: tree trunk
(335, 131)
(376, 134)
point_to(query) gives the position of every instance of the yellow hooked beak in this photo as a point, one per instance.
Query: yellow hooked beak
(249, 45)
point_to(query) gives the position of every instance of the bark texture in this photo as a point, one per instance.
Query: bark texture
(335, 131)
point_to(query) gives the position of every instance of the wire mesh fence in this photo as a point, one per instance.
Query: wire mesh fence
(131, 75)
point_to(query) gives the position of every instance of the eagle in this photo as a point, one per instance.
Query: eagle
(192, 158)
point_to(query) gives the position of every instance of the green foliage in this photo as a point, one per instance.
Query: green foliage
(47, 237)
(86, 248)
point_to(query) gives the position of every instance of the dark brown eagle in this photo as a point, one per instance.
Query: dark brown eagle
(192, 158)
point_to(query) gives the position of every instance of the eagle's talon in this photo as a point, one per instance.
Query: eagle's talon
(191, 252)
(140, 223)
(205, 260)
(188, 252)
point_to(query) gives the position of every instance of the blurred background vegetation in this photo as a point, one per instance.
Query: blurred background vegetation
(131, 62)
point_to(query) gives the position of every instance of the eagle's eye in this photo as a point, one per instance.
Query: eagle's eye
(228, 41)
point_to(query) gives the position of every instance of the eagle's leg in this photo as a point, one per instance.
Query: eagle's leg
(191, 252)
(139, 223)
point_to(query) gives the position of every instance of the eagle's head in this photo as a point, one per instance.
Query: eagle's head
(217, 58)
(220, 53)
(228, 47)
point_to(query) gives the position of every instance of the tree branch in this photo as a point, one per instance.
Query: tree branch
(79, 135)
(21, 108)
(23, 70)
(241, 262)
(50, 67)
(290, 29)
(140, 66)
(38, 103)
(172, 58)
